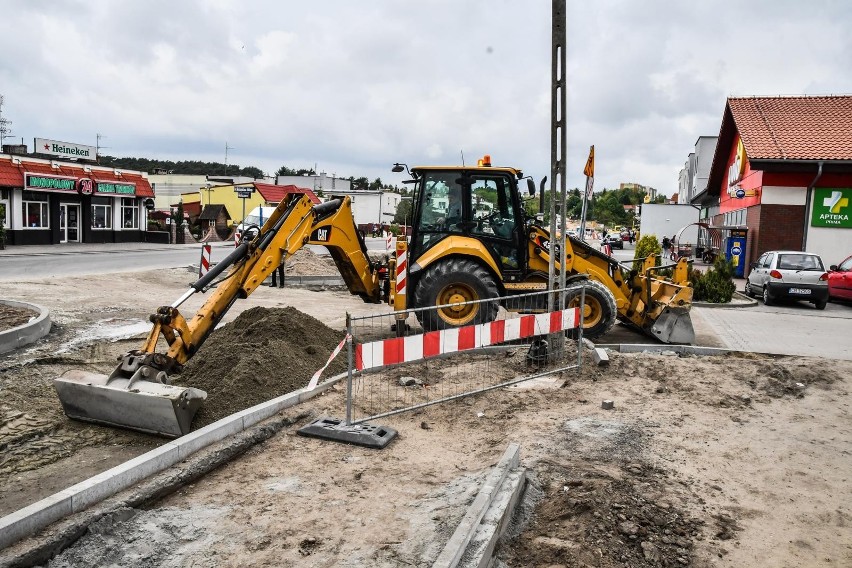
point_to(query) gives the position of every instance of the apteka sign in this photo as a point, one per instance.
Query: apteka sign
(832, 208)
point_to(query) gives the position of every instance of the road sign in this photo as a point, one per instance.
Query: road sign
(244, 191)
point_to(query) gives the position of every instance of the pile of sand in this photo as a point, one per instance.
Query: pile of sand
(262, 354)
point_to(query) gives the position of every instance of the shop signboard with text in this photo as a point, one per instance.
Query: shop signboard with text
(65, 149)
(832, 208)
(44, 182)
(115, 188)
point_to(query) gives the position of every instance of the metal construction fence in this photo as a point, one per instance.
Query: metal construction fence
(539, 335)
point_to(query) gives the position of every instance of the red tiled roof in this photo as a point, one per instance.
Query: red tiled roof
(794, 128)
(788, 132)
(12, 175)
(275, 193)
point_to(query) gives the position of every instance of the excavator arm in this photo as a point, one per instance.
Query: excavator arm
(138, 395)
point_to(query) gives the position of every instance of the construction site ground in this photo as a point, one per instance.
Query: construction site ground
(741, 460)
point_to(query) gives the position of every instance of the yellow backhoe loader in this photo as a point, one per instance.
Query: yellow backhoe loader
(471, 239)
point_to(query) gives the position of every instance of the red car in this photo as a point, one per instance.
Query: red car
(840, 280)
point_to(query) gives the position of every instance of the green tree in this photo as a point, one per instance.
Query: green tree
(375, 185)
(359, 182)
(608, 209)
(403, 212)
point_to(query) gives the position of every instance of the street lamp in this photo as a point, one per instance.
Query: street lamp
(208, 189)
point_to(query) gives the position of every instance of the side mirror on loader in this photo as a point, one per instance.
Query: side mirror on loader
(531, 186)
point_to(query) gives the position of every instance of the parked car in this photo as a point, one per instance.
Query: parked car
(787, 274)
(614, 241)
(840, 280)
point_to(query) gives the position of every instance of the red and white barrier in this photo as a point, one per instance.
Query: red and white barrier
(204, 265)
(434, 343)
(401, 271)
(315, 379)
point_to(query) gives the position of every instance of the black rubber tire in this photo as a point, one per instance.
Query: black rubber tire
(455, 280)
(767, 299)
(820, 304)
(748, 291)
(600, 308)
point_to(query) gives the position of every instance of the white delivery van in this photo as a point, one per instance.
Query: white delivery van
(257, 216)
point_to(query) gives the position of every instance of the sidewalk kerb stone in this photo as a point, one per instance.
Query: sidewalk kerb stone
(455, 548)
(32, 518)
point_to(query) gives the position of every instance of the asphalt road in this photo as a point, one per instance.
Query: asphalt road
(26, 262)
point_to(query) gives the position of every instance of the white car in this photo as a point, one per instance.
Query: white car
(788, 274)
(258, 216)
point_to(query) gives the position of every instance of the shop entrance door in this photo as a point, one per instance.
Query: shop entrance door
(69, 223)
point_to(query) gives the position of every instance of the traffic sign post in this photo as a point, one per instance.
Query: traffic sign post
(244, 192)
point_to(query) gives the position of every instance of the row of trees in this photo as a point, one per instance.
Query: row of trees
(192, 167)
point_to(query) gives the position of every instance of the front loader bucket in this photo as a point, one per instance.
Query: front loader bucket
(674, 326)
(147, 406)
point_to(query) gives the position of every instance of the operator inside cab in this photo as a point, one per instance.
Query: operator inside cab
(475, 204)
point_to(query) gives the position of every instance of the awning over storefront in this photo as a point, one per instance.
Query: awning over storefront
(64, 177)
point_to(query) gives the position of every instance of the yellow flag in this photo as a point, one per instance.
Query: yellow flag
(589, 170)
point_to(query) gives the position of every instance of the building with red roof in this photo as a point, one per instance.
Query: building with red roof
(53, 202)
(781, 176)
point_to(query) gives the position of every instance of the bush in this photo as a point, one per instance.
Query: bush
(646, 246)
(716, 285)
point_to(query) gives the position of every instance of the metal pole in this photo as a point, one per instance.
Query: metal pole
(582, 323)
(557, 140)
(349, 370)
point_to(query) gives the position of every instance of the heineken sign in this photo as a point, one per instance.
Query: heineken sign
(832, 208)
(39, 182)
(115, 188)
(65, 149)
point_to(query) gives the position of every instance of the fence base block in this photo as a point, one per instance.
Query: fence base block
(359, 434)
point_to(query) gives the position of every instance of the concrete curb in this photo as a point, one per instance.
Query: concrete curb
(31, 519)
(455, 548)
(663, 348)
(748, 303)
(30, 332)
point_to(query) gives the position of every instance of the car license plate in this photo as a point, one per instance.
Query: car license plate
(799, 291)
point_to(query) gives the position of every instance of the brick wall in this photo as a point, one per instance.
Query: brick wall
(753, 224)
(781, 228)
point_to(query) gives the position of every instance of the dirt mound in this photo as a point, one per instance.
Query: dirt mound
(13, 317)
(589, 516)
(306, 263)
(262, 354)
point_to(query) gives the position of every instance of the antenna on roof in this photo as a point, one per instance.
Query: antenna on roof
(462, 156)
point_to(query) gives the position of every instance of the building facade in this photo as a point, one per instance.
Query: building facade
(782, 170)
(55, 202)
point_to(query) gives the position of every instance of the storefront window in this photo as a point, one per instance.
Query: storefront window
(129, 213)
(102, 216)
(4, 207)
(35, 214)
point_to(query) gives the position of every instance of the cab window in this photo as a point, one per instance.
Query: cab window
(441, 204)
(493, 211)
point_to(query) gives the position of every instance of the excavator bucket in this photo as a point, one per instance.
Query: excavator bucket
(674, 326)
(142, 405)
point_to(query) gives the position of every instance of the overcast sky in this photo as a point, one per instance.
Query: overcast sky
(353, 86)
